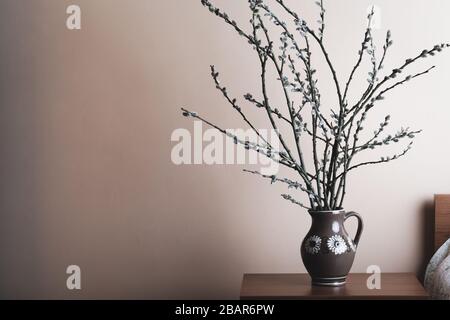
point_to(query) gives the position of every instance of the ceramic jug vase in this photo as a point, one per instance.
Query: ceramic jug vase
(327, 250)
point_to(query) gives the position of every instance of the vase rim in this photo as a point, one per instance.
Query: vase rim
(337, 211)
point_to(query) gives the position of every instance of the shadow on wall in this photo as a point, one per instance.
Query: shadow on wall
(19, 148)
(39, 207)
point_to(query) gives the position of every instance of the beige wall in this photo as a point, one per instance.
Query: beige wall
(86, 119)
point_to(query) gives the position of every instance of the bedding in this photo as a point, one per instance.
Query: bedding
(437, 275)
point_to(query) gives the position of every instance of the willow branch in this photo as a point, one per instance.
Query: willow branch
(233, 103)
(262, 54)
(360, 54)
(268, 152)
(289, 198)
(382, 160)
(260, 105)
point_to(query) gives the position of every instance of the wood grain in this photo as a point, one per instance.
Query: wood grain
(442, 219)
(298, 286)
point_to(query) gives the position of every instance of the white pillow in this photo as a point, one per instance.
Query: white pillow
(437, 276)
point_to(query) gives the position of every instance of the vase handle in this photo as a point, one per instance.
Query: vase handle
(360, 224)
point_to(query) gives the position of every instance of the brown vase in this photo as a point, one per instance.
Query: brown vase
(327, 250)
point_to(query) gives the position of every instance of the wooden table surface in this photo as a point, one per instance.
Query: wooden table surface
(298, 286)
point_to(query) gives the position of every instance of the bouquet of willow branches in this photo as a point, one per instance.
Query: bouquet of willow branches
(336, 137)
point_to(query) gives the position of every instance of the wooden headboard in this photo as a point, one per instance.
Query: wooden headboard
(441, 219)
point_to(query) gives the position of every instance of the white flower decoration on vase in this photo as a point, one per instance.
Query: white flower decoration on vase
(312, 244)
(337, 244)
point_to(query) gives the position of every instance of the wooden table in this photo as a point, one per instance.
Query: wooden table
(298, 286)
